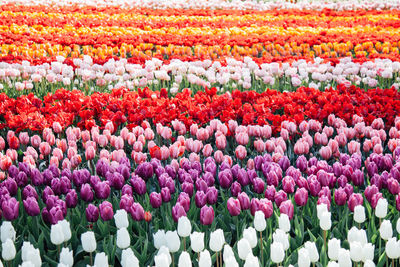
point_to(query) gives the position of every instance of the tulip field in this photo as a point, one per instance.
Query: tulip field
(199, 133)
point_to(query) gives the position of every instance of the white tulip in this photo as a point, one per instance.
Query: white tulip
(325, 221)
(284, 222)
(66, 228)
(357, 235)
(386, 230)
(88, 241)
(161, 260)
(251, 236)
(381, 208)
(228, 252)
(251, 261)
(321, 208)
(369, 263)
(123, 238)
(7, 231)
(101, 260)
(56, 234)
(197, 241)
(231, 262)
(333, 249)
(184, 227)
(359, 214)
(184, 260)
(259, 221)
(217, 240)
(128, 258)
(30, 264)
(205, 259)
(368, 252)
(398, 226)
(164, 250)
(159, 239)
(244, 248)
(344, 258)
(66, 257)
(392, 248)
(303, 259)
(277, 252)
(173, 241)
(26, 247)
(333, 264)
(121, 219)
(312, 251)
(281, 237)
(356, 251)
(8, 250)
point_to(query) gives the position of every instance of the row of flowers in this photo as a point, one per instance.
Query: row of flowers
(218, 176)
(83, 73)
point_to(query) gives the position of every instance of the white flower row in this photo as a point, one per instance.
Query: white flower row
(246, 73)
(223, 4)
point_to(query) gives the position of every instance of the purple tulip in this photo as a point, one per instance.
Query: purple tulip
(372, 169)
(398, 202)
(314, 186)
(48, 176)
(71, 199)
(144, 170)
(206, 215)
(393, 186)
(254, 205)
(301, 197)
(375, 198)
(340, 196)
(258, 185)
(349, 190)
(244, 201)
(139, 185)
(46, 193)
(287, 208)
(370, 191)
(117, 180)
(21, 179)
(155, 200)
(233, 206)
(242, 177)
(288, 184)
(342, 181)
(209, 178)
(270, 192)
(301, 163)
(54, 215)
(236, 188)
(86, 193)
(354, 200)
(171, 171)
(126, 202)
(106, 211)
(31, 206)
(92, 213)
(102, 167)
(10, 208)
(201, 185)
(127, 190)
(252, 174)
(212, 195)
(266, 207)
(377, 181)
(258, 161)
(200, 199)
(102, 190)
(11, 186)
(280, 196)
(137, 212)
(29, 191)
(94, 180)
(184, 200)
(325, 191)
(178, 211)
(170, 184)
(284, 163)
(194, 174)
(13, 171)
(187, 188)
(324, 200)
(225, 178)
(272, 178)
(165, 194)
(124, 171)
(37, 177)
(357, 177)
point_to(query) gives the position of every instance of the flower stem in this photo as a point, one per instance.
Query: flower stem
(262, 251)
(217, 259)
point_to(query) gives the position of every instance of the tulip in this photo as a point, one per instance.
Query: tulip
(392, 248)
(66, 228)
(165, 194)
(31, 206)
(8, 250)
(92, 213)
(325, 221)
(344, 258)
(244, 248)
(233, 206)
(355, 251)
(7, 231)
(259, 221)
(385, 230)
(321, 208)
(312, 251)
(205, 259)
(340, 196)
(10, 208)
(197, 241)
(173, 241)
(333, 249)
(244, 201)
(159, 239)
(57, 234)
(184, 227)
(369, 263)
(354, 200)
(101, 260)
(121, 219)
(128, 258)
(277, 252)
(86, 193)
(178, 211)
(206, 215)
(123, 238)
(359, 214)
(284, 223)
(303, 259)
(71, 199)
(301, 197)
(217, 240)
(398, 226)
(251, 261)
(66, 257)
(184, 260)
(228, 252)
(155, 200)
(281, 237)
(381, 208)
(164, 257)
(368, 252)
(251, 236)
(287, 208)
(88, 242)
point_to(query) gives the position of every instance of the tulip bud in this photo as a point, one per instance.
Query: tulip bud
(359, 214)
(392, 248)
(8, 250)
(121, 219)
(66, 229)
(303, 259)
(344, 258)
(173, 241)
(397, 226)
(355, 251)
(205, 259)
(259, 221)
(166, 258)
(312, 251)
(333, 249)
(197, 241)
(231, 262)
(184, 226)
(184, 260)
(159, 239)
(128, 258)
(7, 231)
(161, 260)
(369, 263)
(123, 238)
(206, 215)
(217, 240)
(281, 237)
(228, 252)
(233, 206)
(243, 247)
(381, 208)
(325, 221)
(251, 236)
(101, 260)
(284, 223)
(333, 264)
(368, 252)
(386, 230)
(66, 257)
(251, 261)
(88, 241)
(56, 234)
(321, 208)
(277, 252)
